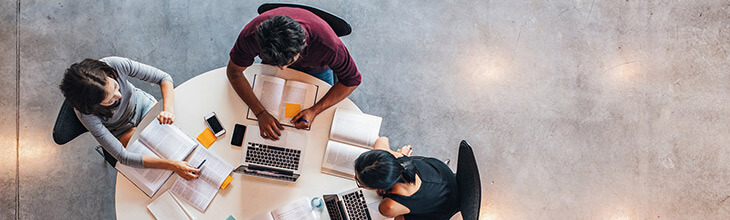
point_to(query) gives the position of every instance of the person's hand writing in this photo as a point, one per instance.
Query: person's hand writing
(166, 117)
(185, 170)
(269, 126)
(406, 150)
(308, 115)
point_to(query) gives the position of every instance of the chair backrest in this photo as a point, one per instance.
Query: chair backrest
(67, 125)
(467, 177)
(339, 25)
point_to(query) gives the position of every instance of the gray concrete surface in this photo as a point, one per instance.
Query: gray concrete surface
(576, 109)
(8, 100)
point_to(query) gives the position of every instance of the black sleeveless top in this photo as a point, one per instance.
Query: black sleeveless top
(438, 196)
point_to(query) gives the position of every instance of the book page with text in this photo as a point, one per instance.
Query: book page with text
(269, 90)
(215, 170)
(149, 180)
(168, 141)
(355, 128)
(340, 158)
(299, 209)
(297, 96)
(197, 192)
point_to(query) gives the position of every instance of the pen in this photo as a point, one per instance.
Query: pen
(304, 120)
(201, 165)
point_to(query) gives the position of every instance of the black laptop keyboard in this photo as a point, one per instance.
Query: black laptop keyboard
(356, 206)
(273, 156)
(333, 209)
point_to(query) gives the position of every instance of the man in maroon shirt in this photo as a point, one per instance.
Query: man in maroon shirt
(297, 39)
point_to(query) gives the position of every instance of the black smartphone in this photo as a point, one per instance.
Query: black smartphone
(238, 132)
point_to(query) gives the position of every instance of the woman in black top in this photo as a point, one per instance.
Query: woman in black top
(412, 187)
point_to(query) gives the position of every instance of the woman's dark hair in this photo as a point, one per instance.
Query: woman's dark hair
(83, 86)
(379, 169)
(281, 39)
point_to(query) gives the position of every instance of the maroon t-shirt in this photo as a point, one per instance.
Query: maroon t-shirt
(324, 49)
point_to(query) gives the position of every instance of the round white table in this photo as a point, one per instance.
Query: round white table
(246, 196)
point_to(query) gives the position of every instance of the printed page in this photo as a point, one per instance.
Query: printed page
(299, 209)
(167, 207)
(197, 192)
(355, 128)
(147, 179)
(297, 96)
(263, 216)
(269, 90)
(168, 141)
(339, 159)
(215, 170)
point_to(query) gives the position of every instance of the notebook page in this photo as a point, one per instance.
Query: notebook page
(299, 209)
(269, 90)
(340, 157)
(167, 207)
(355, 128)
(147, 179)
(168, 141)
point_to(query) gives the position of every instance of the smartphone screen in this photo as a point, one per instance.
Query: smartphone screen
(214, 124)
(238, 132)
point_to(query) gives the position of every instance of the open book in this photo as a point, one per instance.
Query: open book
(300, 209)
(351, 134)
(166, 206)
(282, 98)
(200, 192)
(160, 141)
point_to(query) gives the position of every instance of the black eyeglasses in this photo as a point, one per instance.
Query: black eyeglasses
(357, 182)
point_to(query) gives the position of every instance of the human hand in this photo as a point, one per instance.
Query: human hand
(406, 150)
(269, 126)
(185, 170)
(306, 114)
(166, 117)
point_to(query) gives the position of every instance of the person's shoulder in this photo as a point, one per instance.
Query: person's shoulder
(391, 208)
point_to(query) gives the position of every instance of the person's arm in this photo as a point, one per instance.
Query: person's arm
(269, 127)
(182, 168)
(337, 93)
(167, 115)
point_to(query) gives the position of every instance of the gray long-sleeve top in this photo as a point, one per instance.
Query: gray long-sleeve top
(100, 127)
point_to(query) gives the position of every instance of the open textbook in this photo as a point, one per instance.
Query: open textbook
(282, 98)
(160, 141)
(166, 206)
(300, 209)
(200, 192)
(352, 133)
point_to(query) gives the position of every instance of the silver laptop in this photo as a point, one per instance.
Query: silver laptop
(280, 160)
(352, 205)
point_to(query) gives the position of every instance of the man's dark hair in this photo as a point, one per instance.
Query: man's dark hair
(281, 39)
(83, 86)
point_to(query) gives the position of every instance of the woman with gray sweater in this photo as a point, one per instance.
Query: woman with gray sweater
(111, 107)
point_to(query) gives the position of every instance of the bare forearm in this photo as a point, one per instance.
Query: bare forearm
(242, 87)
(168, 96)
(337, 93)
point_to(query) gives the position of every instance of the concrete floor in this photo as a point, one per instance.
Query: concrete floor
(576, 109)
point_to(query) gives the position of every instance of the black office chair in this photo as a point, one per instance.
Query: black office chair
(339, 25)
(68, 127)
(467, 177)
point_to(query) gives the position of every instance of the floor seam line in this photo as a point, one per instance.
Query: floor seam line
(17, 111)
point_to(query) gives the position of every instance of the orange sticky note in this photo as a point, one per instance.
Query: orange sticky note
(207, 138)
(291, 110)
(226, 182)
